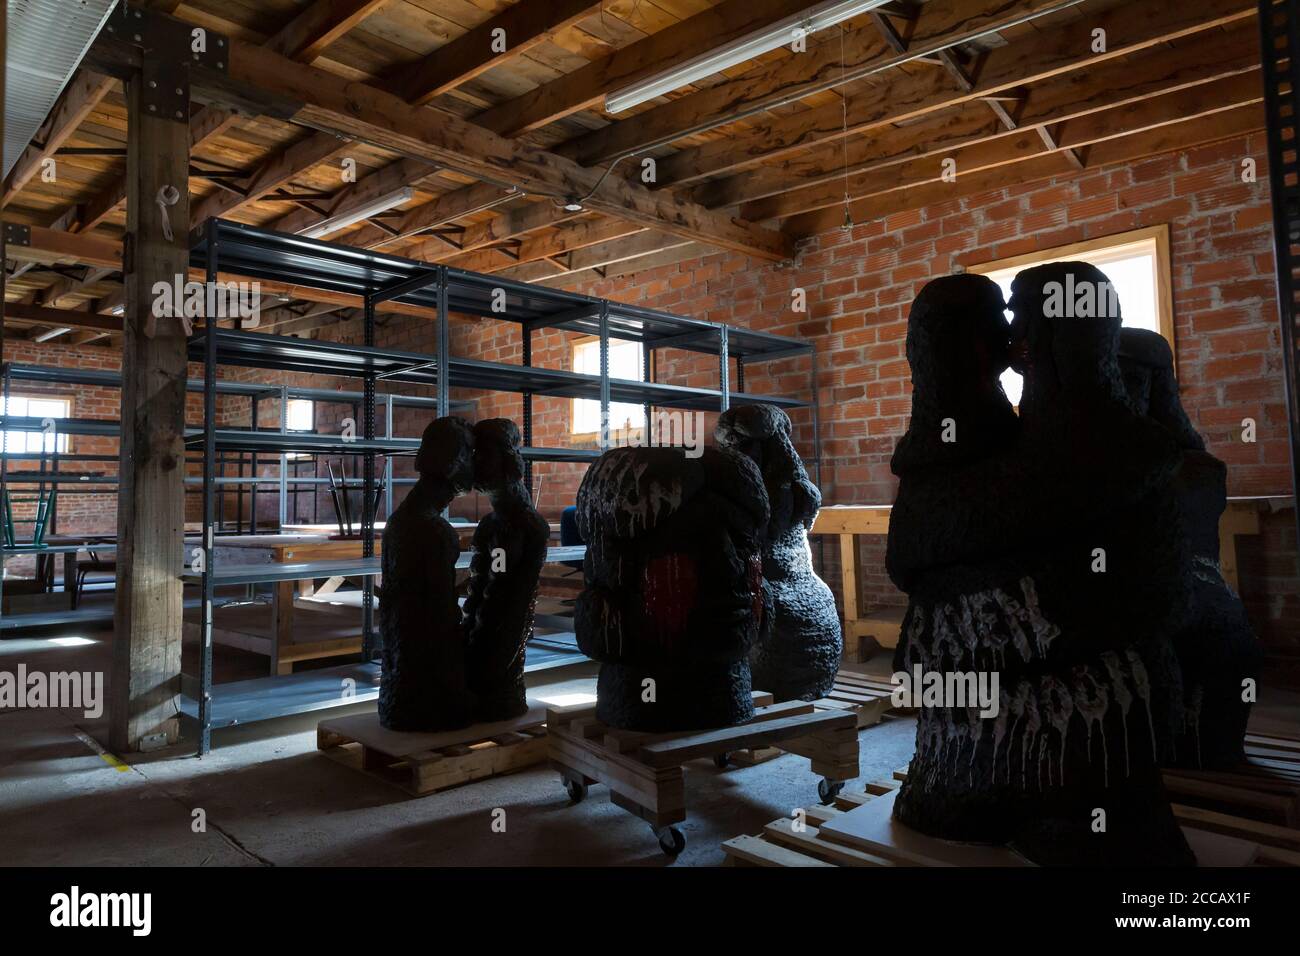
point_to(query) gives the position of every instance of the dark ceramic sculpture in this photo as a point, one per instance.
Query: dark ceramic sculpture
(673, 598)
(509, 550)
(1217, 651)
(798, 654)
(423, 678)
(1045, 551)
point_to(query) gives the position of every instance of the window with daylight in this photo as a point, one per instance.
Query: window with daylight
(301, 415)
(1137, 264)
(40, 408)
(625, 360)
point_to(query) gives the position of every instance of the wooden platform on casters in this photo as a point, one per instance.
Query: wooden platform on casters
(644, 771)
(866, 697)
(421, 763)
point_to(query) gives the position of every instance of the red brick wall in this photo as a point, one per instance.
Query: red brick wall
(860, 284)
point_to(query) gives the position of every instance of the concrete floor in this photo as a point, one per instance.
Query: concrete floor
(270, 799)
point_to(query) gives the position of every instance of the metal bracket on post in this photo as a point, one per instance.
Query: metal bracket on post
(17, 234)
(169, 47)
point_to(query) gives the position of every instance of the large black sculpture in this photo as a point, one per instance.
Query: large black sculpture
(509, 548)
(423, 687)
(798, 654)
(1217, 651)
(673, 600)
(1045, 551)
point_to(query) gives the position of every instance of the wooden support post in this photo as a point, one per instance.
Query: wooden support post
(151, 495)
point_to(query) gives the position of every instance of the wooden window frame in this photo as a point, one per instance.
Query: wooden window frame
(1075, 250)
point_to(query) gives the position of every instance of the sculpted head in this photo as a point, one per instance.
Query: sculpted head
(447, 452)
(762, 434)
(497, 460)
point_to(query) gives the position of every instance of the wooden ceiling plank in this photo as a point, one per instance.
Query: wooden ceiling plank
(1129, 27)
(587, 86)
(307, 35)
(524, 26)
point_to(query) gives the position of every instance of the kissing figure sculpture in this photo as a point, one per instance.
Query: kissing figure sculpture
(422, 687)
(1044, 552)
(509, 548)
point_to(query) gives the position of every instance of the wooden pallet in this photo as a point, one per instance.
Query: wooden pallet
(644, 771)
(802, 842)
(869, 698)
(1266, 788)
(422, 763)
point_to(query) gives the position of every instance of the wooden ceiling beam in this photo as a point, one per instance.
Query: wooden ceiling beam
(325, 101)
(62, 318)
(78, 100)
(446, 208)
(770, 85)
(587, 86)
(556, 243)
(654, 260)
(524, 25)
(600, 255)
(1130, 28)
(1200, 59)
(303, 38)
(1182, 135)
(307, 35)
(1147, 83)
(394, 176)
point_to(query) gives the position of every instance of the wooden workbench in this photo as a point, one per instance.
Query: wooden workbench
(848, 521)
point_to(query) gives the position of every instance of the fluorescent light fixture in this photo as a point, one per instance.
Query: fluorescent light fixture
(783, 32)
(355, 214)
(71, 641)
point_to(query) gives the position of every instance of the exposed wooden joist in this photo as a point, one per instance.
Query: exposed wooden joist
(654, 260)
(1136, 117)
(1183, 135)
(277, 171)
(81, 96)
(522, 26)
(557, 242)
(1129, 27)
(70, 318)
(512, 224)
(598, 256)
(307, 35)
(446, 208)
(303, 38)
(1118, 84)
(324, 101)
(403, 172)
(1194, 60)
(864, 51)
(587, 86)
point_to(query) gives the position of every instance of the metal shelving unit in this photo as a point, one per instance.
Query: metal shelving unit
(1279, 25)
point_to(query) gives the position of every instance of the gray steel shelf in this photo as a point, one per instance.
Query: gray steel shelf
(284, 353)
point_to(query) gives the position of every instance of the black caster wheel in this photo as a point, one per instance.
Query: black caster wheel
(827, 790)
(721, 761)
(577, 791)
(671, 840)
